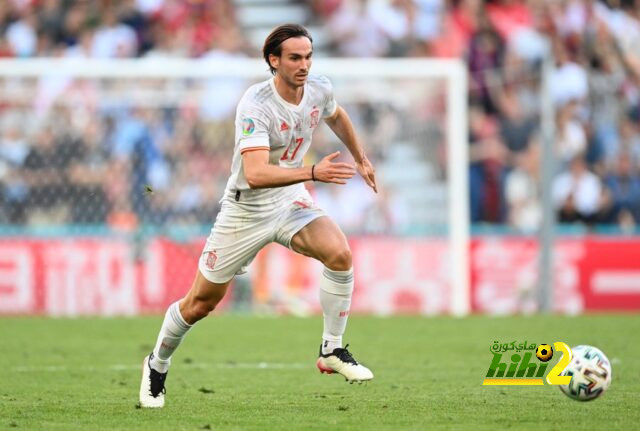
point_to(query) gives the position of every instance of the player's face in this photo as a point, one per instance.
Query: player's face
(295, 61)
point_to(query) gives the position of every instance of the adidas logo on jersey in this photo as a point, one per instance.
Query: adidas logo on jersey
(284, 126)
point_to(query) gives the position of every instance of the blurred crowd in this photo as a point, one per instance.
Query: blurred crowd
(135, 163)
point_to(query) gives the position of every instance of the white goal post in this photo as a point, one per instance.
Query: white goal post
(451, 71)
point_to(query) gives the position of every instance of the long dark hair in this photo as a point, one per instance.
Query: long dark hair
(273, 42)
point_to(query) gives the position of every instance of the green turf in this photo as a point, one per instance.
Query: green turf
(61, 374)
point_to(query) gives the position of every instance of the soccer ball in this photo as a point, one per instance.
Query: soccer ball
(591, 374)
(544, 352)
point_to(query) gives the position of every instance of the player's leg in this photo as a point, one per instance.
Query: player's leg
(234, 241)
(323, 240)
(201, 299)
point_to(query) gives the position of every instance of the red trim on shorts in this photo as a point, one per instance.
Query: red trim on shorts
(302, 204)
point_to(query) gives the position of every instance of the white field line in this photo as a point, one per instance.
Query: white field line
(198, 366)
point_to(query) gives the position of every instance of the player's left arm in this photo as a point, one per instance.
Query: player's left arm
(342, 126)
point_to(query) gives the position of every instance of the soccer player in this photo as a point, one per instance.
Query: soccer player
(265, 201)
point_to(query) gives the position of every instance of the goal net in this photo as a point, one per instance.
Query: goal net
(111, 172)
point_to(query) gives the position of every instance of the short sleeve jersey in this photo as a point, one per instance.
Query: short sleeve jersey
(264, 120)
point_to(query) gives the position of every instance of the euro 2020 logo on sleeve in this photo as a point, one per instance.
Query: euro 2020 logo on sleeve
(248, 126)
(521, 368)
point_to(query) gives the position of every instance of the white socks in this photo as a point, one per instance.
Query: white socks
(336, 288)
(171, 334)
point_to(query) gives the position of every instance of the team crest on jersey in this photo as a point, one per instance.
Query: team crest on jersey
(210, 261)
(315, 118)
(248, 126)
(284, 126)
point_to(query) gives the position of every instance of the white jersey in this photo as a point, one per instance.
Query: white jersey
(265, 120)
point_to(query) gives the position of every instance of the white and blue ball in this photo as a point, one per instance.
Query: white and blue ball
(590, 372)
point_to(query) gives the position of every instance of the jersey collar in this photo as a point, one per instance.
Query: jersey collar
(279, 98)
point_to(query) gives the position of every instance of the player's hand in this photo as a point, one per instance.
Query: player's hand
(330, 172)
(365, 168)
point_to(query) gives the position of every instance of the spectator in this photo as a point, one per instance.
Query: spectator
(606, 81)
(624, 185)
(166, 43)
(132, 17)
(45, 166)
(577, 193)
(87, 172)
(485, 55)
(569, 81)
(458, 25)
(50, 19)
(112, 38)
(22, 34)
(522, 189)
(509, 16)
(487, 176)
(570, 134)
(323, 10)
(13, 153)
(516, 128)
(355, 32)
(74, 22)
(629, 130)
(428, 17)
(396, 20)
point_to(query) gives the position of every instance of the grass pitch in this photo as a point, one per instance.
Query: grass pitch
(240, 372)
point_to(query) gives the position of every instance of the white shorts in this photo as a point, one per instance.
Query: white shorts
(241, 230)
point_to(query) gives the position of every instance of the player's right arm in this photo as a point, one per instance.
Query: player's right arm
(260, 174)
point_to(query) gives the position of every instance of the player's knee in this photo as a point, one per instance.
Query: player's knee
(340, 260)
(201, 308)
